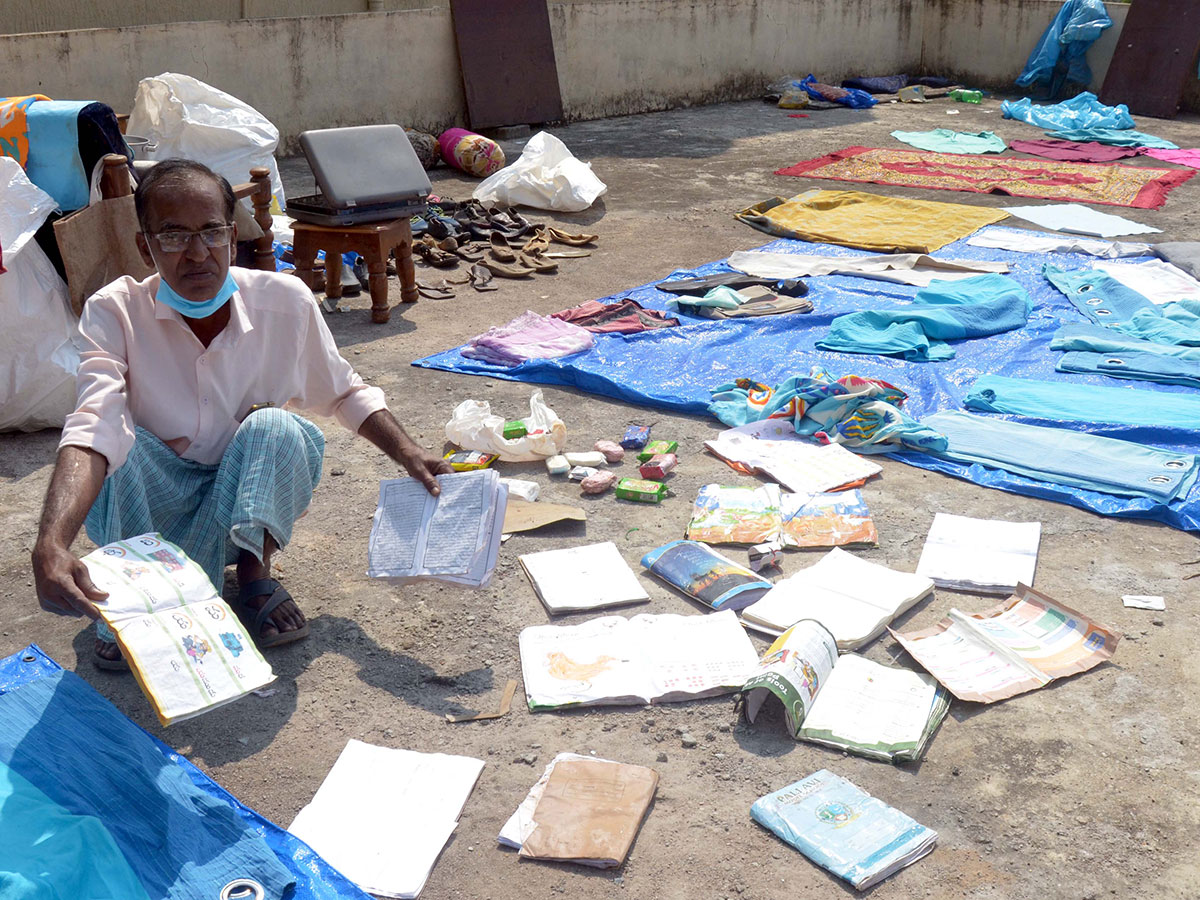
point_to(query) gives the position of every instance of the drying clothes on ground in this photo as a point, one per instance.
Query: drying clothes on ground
(868, 221)
(1135, 366)
(1063, 401)
(945, 140)
(1101, 298)
(1184, 255)
(1081, 111)
(901, 268)
(1158, 281)
(1114, 185)
(1074, 218)
(1073, 151)
(726, 303)
(1116, 137)
(528, 336)
(1023, 241)
(944, 311)
(1110, 340)
(831, 94)
(878, 84)
(698, 287)
(1177, 156)
(70, 743)
(1061, 456)
(863, 413)
(623, 317)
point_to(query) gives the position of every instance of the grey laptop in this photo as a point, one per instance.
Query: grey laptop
(367, 173)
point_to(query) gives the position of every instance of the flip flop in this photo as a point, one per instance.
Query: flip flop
(481, 278)
(254, 619)
(433, 291)
(120, 664)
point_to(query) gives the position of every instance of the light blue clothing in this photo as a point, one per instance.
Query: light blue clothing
(1081, 111)
(264, 481)
(54, 164)
(1067, 402)
(1077, 458)
(1171, 323)
(1109, 340)
(1135, 366)
(180, 842)
(1099, 296)
(945, 310)
(944, 140)
(47, 851)
(1115, 137)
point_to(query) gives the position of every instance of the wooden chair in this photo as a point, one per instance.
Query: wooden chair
(115, 182)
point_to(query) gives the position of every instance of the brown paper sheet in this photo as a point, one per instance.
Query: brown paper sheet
(590, 812)
(505, 705)
(98, 247)
(521, 515)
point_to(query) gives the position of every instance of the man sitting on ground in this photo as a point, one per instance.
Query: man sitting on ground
(180, 425)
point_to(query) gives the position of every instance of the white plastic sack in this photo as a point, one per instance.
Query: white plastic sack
(38, 356)
(546, 176)
(187, 118)
(473, 427)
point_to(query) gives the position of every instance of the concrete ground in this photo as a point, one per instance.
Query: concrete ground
(1086, 789)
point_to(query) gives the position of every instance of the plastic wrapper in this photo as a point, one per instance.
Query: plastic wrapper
(546, 176)
(474, 427)
(1060, 55)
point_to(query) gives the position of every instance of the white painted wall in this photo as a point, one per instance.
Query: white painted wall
(614, 56)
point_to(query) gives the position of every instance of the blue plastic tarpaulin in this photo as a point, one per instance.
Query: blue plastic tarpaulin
(314, 878)
(675, 368)
(1082, 112)
(1061, 53)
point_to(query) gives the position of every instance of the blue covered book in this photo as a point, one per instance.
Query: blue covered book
(843, 829)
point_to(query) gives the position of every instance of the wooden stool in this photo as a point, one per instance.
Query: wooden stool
(372, 242)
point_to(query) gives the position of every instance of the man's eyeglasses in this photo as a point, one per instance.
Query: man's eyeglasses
(178, 241)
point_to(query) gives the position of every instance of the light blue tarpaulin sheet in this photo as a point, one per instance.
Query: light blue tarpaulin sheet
(1060, 55)
(1081, 111)
(68, 779)
(675, 368)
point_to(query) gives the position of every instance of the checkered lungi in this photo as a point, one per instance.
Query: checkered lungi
(263, 483)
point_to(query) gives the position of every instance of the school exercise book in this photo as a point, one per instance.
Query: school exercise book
(849, 702)
(184, 645)
(452, 537)
(573, 579)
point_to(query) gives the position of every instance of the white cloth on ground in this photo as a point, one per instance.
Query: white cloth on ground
(1075, 218)
(916, 269)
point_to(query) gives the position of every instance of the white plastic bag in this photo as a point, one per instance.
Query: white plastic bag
(38, 356)
(187, 118)
(546, 176)
(473, 427)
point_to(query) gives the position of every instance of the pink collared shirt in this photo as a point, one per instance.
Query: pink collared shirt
(141, 365)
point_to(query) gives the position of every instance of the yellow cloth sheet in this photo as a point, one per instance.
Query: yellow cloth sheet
(869, 221)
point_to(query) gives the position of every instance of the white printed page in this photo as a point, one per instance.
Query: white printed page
(870, 704)
(456, 531)
(145, 574)
(577, 665)
(967, 666)
(396, 528)
(382, 816)
(694, 656)
(982, 554)
(587, 577)
(795, 461)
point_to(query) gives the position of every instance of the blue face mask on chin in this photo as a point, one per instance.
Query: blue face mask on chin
(194, 309)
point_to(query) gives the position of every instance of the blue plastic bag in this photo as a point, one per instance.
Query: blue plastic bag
(1081, 111)
(1061, 54)
(852, 97)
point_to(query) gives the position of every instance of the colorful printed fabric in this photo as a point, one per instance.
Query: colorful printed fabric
(944, 140)
(1190, 158)
(14, 126)
(1110, 185)
(868, 221)
(946, 310)
(528, 336)
(863, 413)
(1073, 151)
(471, 153)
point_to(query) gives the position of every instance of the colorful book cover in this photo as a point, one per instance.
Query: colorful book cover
(705, 575)
(735, 515)
(839, 519)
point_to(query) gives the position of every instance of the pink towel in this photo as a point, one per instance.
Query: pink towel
(528, 336)
(1179, 157)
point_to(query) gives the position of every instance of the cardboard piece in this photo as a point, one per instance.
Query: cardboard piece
(590, 812)
(98, 247)
(510, 690)
(524, 516)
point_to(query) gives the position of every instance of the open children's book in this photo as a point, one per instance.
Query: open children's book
(848, 702)
(854, 598)
(753, 515)
(185, 646)
(1020, 645)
